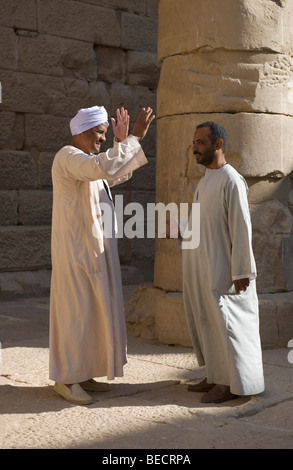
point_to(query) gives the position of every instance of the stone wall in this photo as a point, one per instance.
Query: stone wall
(231, 62)
(58, 56)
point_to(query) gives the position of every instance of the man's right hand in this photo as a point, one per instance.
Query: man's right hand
(143, 121)
(172, 229)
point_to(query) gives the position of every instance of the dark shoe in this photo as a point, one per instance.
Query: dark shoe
(202, 386)
(218, 394)
(92, 386)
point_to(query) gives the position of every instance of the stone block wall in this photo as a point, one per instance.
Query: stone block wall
(58, 56)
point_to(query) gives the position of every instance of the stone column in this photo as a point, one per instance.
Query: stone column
(231, 62)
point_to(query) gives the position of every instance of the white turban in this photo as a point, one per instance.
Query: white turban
(86, 118)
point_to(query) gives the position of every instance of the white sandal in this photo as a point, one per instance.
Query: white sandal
(73, 393)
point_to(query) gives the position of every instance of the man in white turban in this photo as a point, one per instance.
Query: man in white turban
(87, 325)
(87, 118)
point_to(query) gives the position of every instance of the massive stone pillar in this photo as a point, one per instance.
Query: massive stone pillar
(231, 62)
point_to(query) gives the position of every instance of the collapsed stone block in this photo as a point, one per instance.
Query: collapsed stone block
(140, 311)
(171, 325)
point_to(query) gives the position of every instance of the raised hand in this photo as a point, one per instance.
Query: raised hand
(121, 127)
(143, 121)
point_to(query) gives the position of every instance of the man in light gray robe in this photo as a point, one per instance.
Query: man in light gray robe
(219, 286)
(87, 324)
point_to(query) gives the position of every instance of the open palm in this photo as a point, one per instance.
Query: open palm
(121, 126)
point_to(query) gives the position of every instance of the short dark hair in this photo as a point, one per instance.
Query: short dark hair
(216, 132)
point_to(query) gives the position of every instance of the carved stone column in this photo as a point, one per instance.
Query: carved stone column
(230, 62)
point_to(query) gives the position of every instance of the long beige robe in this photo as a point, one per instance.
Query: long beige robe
(87, 325)
(224, 326)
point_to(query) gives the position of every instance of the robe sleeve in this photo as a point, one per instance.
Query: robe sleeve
(115, 165)
(239, 225)
(119, 180)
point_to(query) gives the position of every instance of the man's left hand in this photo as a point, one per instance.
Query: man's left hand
(241, 284)
(121, 126)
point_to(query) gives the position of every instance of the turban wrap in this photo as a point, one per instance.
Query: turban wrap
(86, 118)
